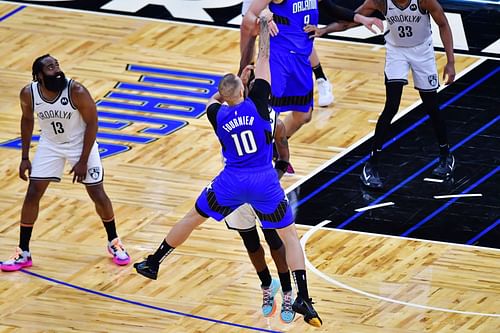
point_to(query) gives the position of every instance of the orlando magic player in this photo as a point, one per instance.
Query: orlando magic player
(292, 84)
(244, 130)
(67, 118)
(409, 45)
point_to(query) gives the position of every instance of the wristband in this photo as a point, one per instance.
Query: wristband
(281, 165)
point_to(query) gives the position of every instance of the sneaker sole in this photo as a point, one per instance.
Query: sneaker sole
(286, 321)
(314, 322)
(119, 261)
(13, 268)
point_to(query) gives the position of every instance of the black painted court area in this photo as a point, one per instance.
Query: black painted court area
(471, 107)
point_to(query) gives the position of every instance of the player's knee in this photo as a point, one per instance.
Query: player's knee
(251, 240)
(272, 239)
(305, 117)
(33, 194)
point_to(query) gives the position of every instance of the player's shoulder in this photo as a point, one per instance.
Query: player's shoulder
(25, 91)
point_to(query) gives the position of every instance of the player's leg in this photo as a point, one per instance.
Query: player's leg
(278, 253)
(176, 236)
(272, 208)
(396, 74)
(325, 95)
(425, 75)
(214, 201)
(243, 220)
(93, 182)
(47, 166)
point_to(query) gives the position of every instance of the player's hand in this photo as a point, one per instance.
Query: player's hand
(369, 22)
(79, 171)
(25, 165)
(449, 73)
(245, 74)
(314, 31)
(273, 28)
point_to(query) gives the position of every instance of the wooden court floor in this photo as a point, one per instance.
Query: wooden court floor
(360, 282)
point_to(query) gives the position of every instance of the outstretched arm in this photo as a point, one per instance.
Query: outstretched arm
(262, 69)
(248, 32)
(437, 13)
(360, 17)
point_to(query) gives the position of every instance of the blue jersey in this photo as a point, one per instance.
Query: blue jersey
(244, 130)
(292, 16)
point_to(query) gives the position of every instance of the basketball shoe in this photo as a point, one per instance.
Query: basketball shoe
(305, 308)
(147, 268)
(325, 95)
(445, 167)
(117, 250)
(268, 294)
(370, 177)
(287, 314)
(20, 259)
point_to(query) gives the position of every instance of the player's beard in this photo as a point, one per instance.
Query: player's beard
(56, 82)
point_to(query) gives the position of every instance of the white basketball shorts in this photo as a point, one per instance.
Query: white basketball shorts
(50, 158)
(242, 219)
(420, 59)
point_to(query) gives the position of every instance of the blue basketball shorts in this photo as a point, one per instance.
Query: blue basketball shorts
(291, 82)
(259, 188)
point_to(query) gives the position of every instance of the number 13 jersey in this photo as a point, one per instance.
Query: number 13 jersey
(407, 26)
(59, 120)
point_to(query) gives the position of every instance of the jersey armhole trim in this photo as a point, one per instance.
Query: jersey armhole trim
(70, 85)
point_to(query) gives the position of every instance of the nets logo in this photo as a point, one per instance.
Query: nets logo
(433, 80)
(94, 173)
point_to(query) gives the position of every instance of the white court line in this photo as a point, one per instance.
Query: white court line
(433, 180)
(458, 195)
(362, 209)
(311, 267)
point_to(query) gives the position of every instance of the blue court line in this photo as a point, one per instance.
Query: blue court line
(9, 14)
(394, 139)
(482, 233)
(450, 202)
(124, 300)
(417, 173)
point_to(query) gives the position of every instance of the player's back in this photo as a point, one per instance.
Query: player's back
(245, 136)
(291, 17)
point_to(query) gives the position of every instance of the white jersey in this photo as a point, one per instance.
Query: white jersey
(59, 120)
(408, 26)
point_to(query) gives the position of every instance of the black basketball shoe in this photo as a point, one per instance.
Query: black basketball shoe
(445, 167)
(370, 177)
(305, 308)
(147, 268)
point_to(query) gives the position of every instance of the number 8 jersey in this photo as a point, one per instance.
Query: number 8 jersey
(407, 26)
(59, 120)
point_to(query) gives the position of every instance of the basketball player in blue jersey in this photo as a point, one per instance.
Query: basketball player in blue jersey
(67, 117)
(408, 45)
(244, 130)
(291, 47)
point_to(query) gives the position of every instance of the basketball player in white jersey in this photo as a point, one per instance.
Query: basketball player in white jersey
(409, 45)
(67, 117)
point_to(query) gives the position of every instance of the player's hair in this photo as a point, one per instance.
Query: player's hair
(229, 86)
(38, 66)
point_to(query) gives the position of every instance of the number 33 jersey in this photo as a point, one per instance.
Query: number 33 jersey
(59, 120)
(408, 26)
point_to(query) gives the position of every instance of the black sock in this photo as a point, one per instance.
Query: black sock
(161, 253)
(318, 72)
(265, 278)
(24, 238)
(444, 150)
(286, 284)
(300, 280)
(110, 229)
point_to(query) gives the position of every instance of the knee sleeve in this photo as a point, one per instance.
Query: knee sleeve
(272, 239)
(251, 240)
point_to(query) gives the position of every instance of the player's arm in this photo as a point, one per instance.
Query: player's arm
(347, 15)
(281, 142)
(85, 104)
(361, 16)
(27, 124)
(261, 89)
(437, 13)
(248, 32)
